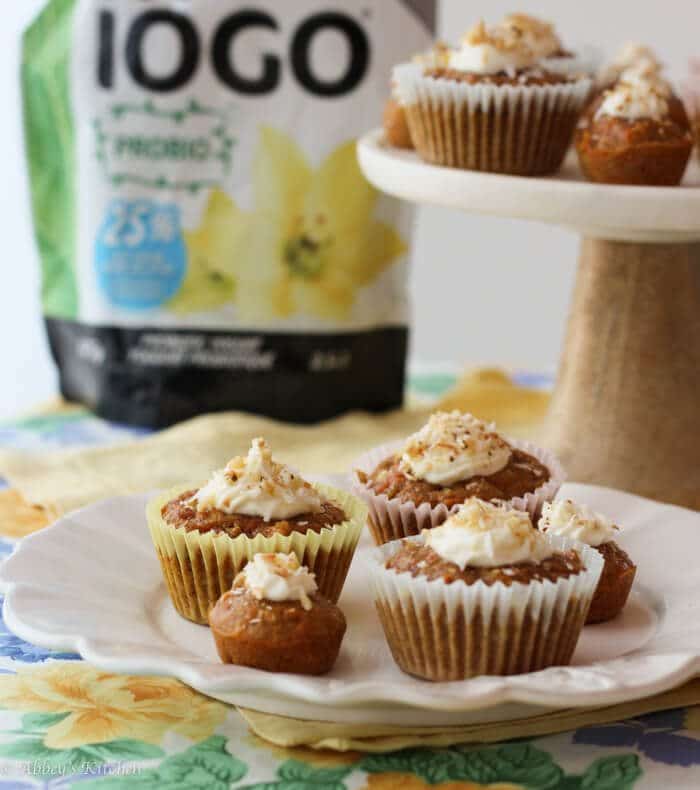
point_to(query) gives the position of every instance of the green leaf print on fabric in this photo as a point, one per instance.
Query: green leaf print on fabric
(294, 775)
(40, 722)
(29, 746)
(206, 766)
(433, 767)
(612, 773)
(519, 763)
(516, 763)
(432, 385)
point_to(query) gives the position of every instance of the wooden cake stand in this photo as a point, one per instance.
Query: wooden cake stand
(626, 408)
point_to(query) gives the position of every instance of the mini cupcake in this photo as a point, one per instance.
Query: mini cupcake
(494, 107)
(275, 619)
(483, 594)
(395, 125)
(416, 485)
(205, 537)
(636, 133)
(577, 522)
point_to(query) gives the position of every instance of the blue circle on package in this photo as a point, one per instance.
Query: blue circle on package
(140, 254)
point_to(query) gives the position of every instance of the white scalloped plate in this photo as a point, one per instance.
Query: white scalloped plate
(91, 584)
(607, 211)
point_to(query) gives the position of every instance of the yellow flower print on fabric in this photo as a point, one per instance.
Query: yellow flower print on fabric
(313, 240)
(211, 249)
(102, 707)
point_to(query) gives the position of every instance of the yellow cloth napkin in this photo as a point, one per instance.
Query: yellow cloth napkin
(46, 485)
(18, 518)
(290, 733)
(62, 481)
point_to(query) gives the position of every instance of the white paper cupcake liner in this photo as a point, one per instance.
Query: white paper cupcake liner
(450, 632)
(391, 519)
(510, 129)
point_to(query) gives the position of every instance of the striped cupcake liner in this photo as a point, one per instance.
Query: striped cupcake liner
(521, 130)
(391, 519)
(450, 632)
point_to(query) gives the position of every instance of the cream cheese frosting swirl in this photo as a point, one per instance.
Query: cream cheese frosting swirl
(645, 73)
(453, 447)
(632, 55)
(280, 577)
(518, 42)
(636, 99)
(578, 522)
(539, 36)
(482, 535)
(491, 50)
(257, 485)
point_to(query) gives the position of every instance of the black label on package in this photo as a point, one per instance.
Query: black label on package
(157, 377)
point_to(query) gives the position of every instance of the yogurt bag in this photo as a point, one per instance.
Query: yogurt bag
(207, 239)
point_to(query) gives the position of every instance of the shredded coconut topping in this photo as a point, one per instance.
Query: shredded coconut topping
(258, 486)
(491, 50)
(538, 35)
(640, 98)
(483, 535)
(280, 577)
(518, 42)
(632, 55)
(453, 447)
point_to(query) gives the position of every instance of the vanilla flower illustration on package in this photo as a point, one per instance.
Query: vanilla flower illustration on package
(207, 239)
(212, 249)
(314, 238)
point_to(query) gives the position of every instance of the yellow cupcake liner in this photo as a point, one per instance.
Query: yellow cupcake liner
(199, 567)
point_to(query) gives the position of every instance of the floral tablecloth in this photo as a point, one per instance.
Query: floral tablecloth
(66, 724)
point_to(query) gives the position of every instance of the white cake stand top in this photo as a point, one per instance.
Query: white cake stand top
(617, 213)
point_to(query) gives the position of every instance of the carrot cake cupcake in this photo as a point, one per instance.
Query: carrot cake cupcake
(455, 456)
(204, 537)
(494, 106)
(577, 522)
(636, 133)
(275, 619)
(484, 594)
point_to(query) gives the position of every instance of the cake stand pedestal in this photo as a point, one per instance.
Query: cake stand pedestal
(626, 408)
